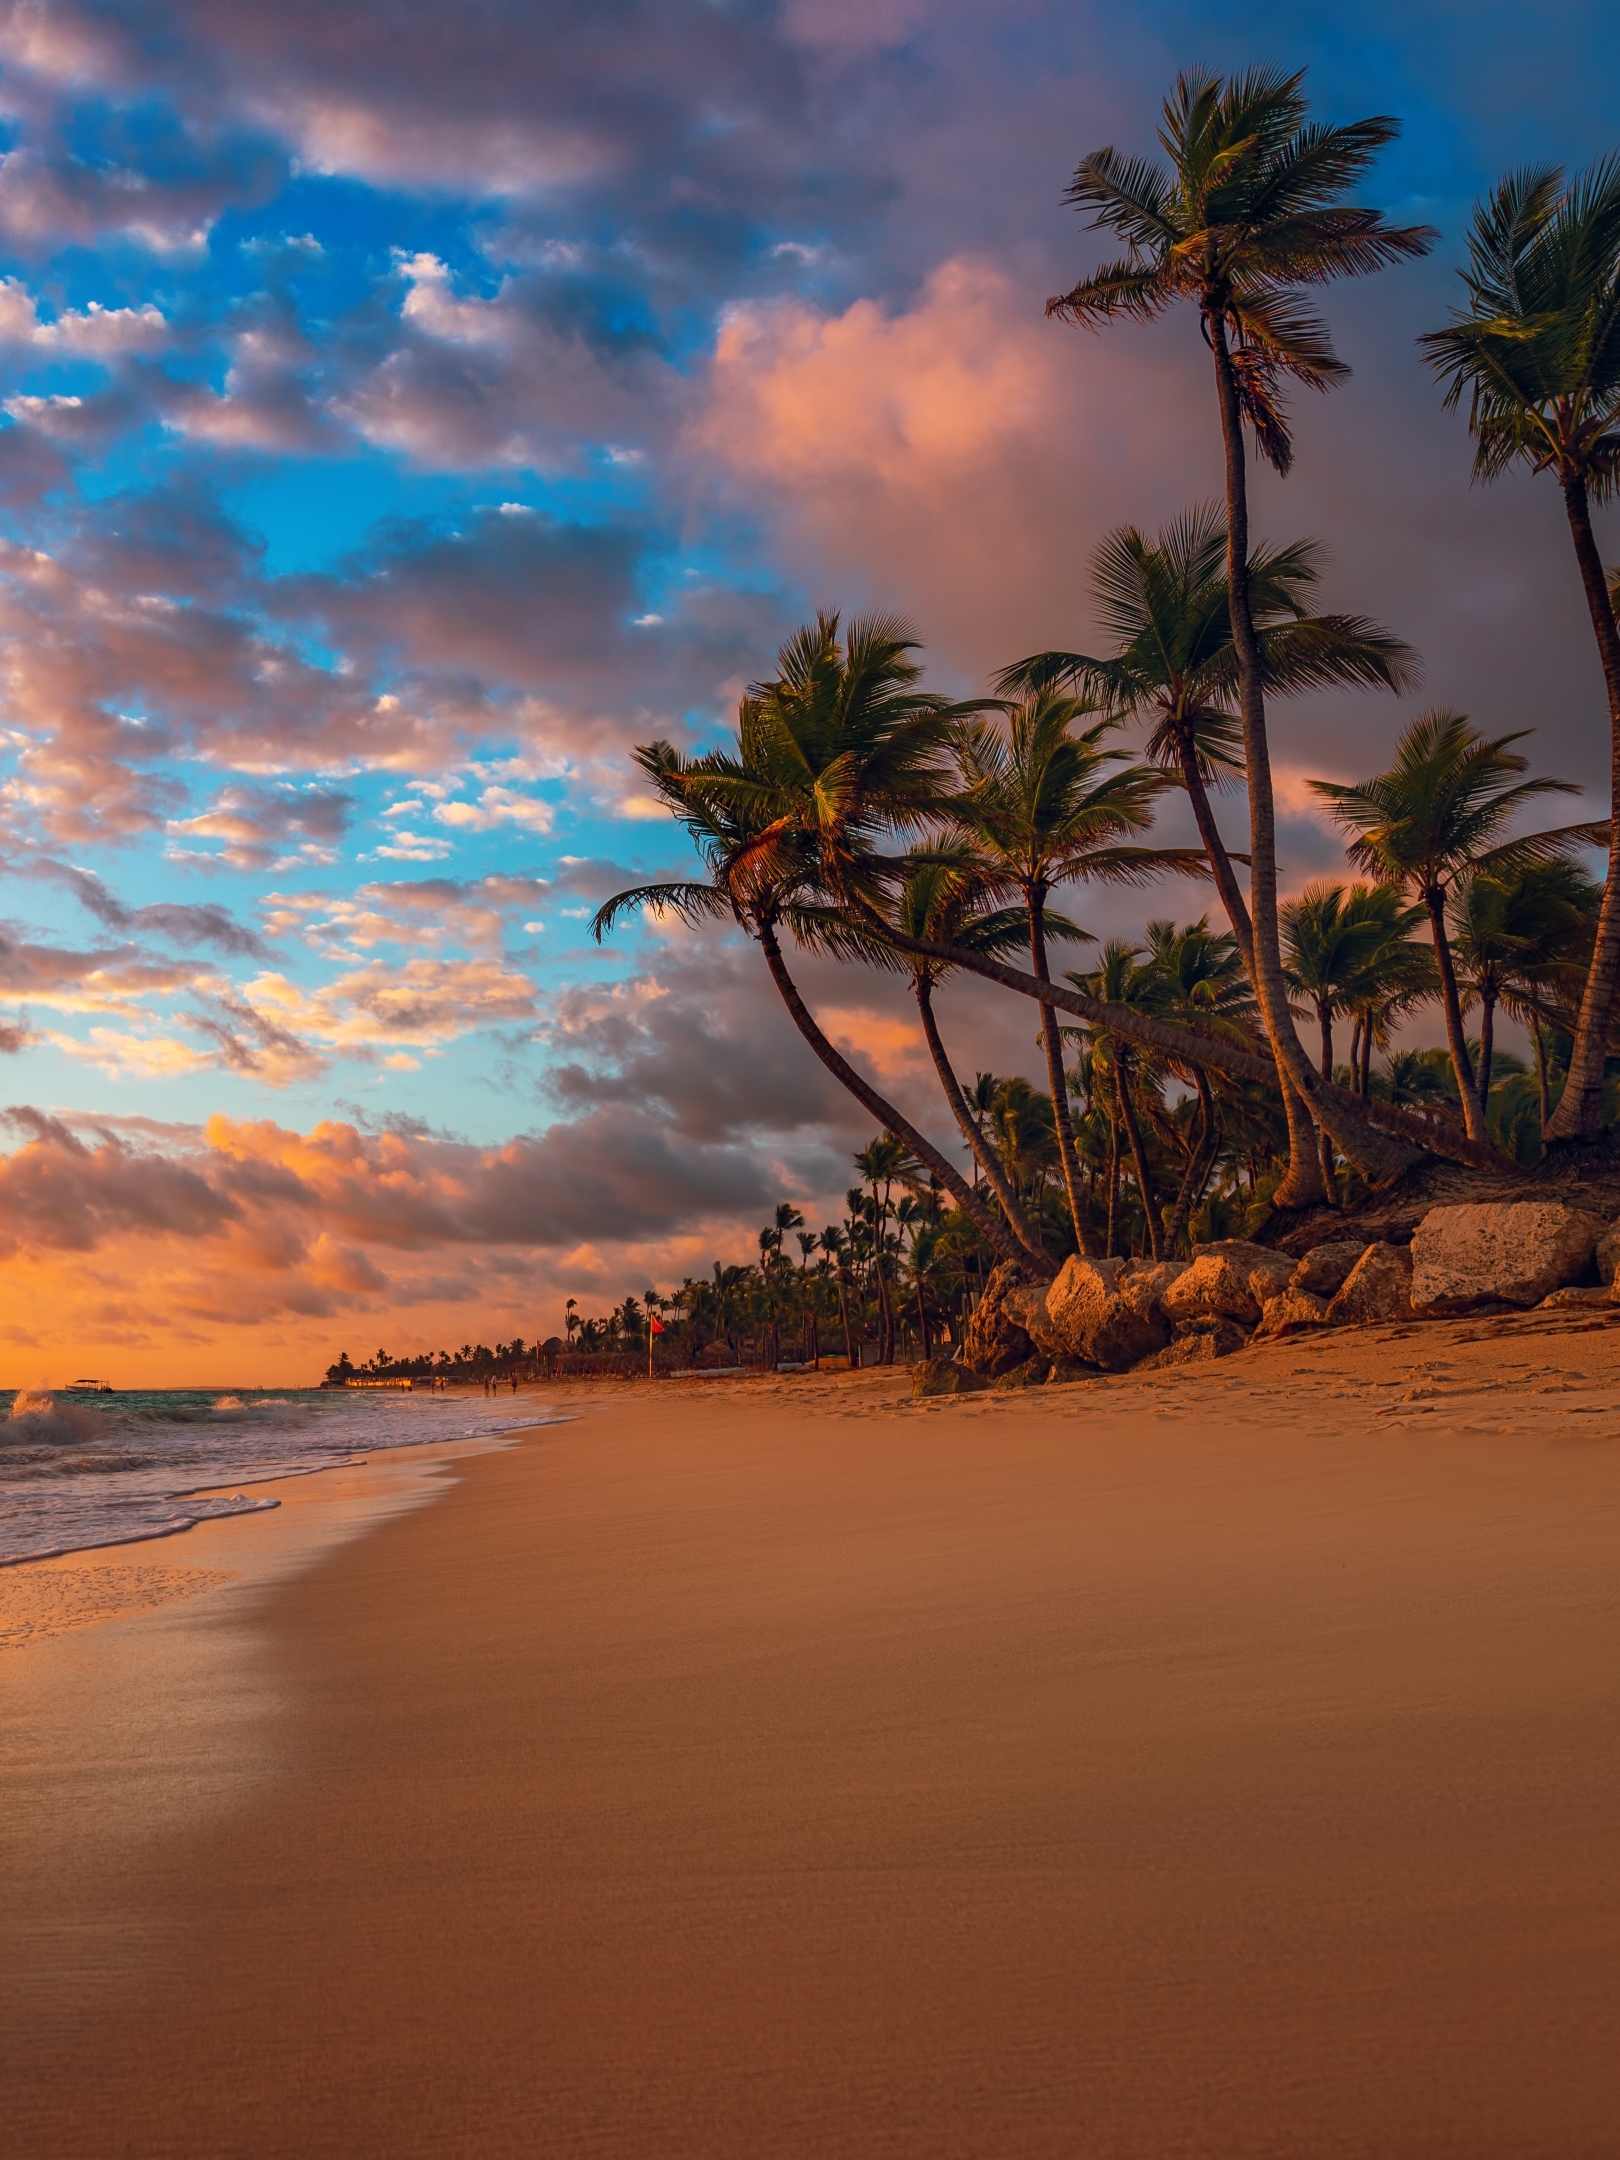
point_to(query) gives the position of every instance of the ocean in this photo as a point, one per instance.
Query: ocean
(77, 1471)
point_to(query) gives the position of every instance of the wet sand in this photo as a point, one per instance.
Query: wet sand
(1222, 1764)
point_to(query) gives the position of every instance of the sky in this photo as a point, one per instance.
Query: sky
(409, 410)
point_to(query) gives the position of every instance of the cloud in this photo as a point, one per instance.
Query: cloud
(268, 828)
(93, 332)
(184, 925)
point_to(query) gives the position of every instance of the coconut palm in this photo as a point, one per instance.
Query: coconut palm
(1537, 352)
(883, 1163)
(1248, 210)
(1203, 985)
(1045, 803)
(839, 746)
(1510, 929)
(1437, 816)
(1333, 938)
(1120, 979)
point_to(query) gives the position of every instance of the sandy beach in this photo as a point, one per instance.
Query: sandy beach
(1219, 1762)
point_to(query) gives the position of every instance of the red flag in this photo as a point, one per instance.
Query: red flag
(656, 1324)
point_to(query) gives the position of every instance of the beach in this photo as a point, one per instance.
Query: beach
(1214, 1762)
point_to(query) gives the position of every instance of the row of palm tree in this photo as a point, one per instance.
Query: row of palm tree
(860, 815)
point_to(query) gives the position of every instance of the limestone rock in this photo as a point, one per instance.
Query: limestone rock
(1378, 1287)
(943, 1376)
(993, 1341)
(1090, 1315)
(1515, 1251)
(1142, 1284)
(1324, 1269)
(1026, 1306)
(1291, 1313)
(1067, 1370)
(1213, 1337)
(1607, 1254)
(1032, 1373)
(1232, 1277)
(1595, 1294)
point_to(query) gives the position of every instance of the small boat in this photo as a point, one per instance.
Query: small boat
(89, 1387)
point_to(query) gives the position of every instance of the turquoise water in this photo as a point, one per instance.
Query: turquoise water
(77, 1471)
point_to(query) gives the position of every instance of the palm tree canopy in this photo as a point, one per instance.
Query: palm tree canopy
(1511, 927)
(1445, 804)
(1537, 349)
(944, 898)
(1248, 208)
(1337, 941)
(1164, 606)
(1045, 802)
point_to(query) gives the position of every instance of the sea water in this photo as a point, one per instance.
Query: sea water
(77, 1471)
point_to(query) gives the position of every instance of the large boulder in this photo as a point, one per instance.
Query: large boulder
(1377, 1288)
(1511, 1252)
(1607, 1253)
(1025, 1305)
(1232, 1278)
(1290, 1314)
(1142, 1284)
(1325, 1268)
(1032, 1373)
(943, 1376)
(993, 1341)
(1089, 1312)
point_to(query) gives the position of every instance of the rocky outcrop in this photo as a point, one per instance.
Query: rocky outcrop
(1089, 1312)
(1378, 1288)
(1513, 1254)
(1142, 1284)
(1601, 1294)
(1232, 1278)
(1025, 1305)
(994, 1341)
(1291, 1314)
(1197, 1342)
(1607, 1253)
(1067, 1370)
(1032, 1373)
(1325, 1268)
(943, 1376)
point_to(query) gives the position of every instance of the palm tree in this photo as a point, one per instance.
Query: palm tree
(1165, 607)
(882, 1163)
(1121, 980)
(1333, 940)
(1202, 983)
(835, 1248)
(1249, 210)
(1436, 816)
(839, 746)
(1537, 350)
(1510, 932)
(1046, 804)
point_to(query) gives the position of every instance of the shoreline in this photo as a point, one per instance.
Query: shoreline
(1201, 1763)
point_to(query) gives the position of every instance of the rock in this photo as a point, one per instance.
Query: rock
(1516, 1250)
(1032, 1373)
(1595, 1294)
(1378, 1287)
(993, 1341)
(1607, 1254)
(1290, 1313)
(1324, 1269)
(1142, 1284)
(1025, 1305)
(1091, 1317)
(1213, 1337)
(943, 1376)
(1232, 1277)
(1067, 1370)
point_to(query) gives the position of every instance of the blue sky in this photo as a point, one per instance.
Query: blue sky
(407, 413)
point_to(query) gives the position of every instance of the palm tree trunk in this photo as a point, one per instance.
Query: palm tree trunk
(922, 1318)
(1330, 1184)
(1579, 1116)
(1487, 1044)
(850, 1352)
(1133, 1133)
(1540, 1042)
(984, 1155)
(1186, 1197)
(1113, 1179)
(1052, 1044)
(1450, 998)
(995, 1231)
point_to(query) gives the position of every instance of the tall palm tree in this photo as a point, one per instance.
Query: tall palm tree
(1201, 983)
(882, 1163)
(1333, 939)
(1045, 803)
(1249, 209)
(1537, 350)
(1121, 980)
(840, 745)
(1165, 607)
(1437, 815)
(1510, 931)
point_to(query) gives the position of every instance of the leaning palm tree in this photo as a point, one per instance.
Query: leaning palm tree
(851, 733)
(1164, 606)
(1045, 803)
(1537, 351)
(1248, 210)
(1439, 815)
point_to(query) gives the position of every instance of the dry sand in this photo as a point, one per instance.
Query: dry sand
(1217, 1764)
